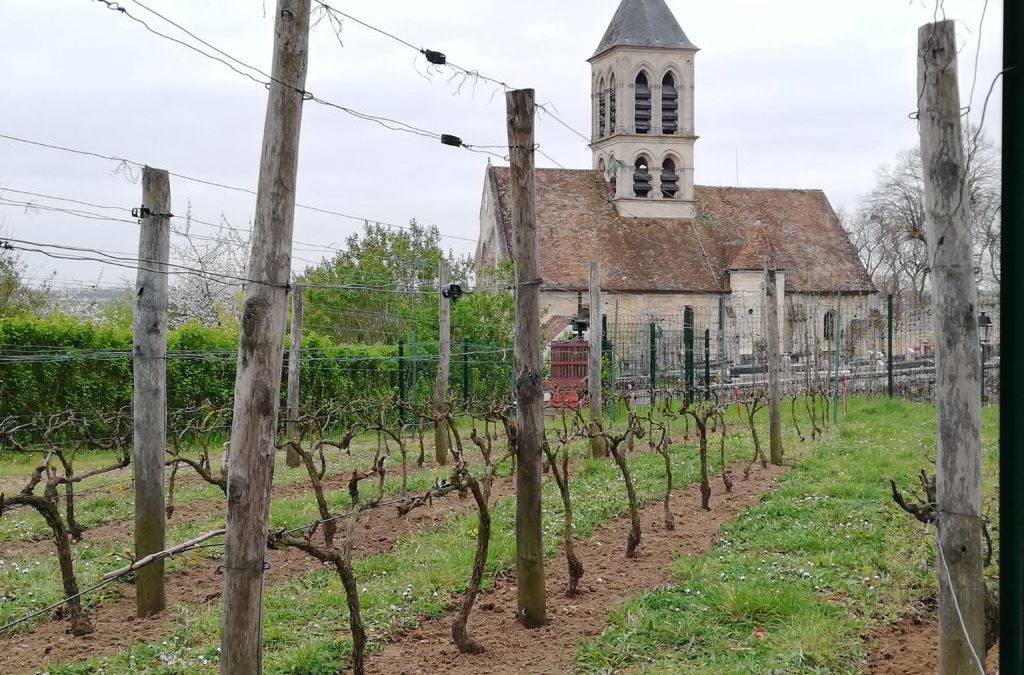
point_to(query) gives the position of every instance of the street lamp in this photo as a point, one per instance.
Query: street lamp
(984, 328)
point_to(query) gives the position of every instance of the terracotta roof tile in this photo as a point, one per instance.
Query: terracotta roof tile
(577, 223)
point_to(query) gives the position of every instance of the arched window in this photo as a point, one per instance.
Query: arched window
(669, 179)
(613, 173)
(601, 110)
(642, 177)
(669, 105)
(830, 325)
(611, 105)
(642, 105)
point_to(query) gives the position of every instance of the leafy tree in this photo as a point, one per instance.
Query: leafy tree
(15, 296)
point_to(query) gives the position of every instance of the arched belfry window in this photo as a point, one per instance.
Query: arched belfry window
(642, 177)
(669, 179)
(611, 105)
(612, 174)
(602, 110)
(669, 105)
(642, 105)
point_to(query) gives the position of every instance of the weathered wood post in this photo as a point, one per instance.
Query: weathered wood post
(258, 374)
(294, 361)
(529, 379)
(594, 334)
(149, 394)
(774, 361)
(957, 356)
(444, 359)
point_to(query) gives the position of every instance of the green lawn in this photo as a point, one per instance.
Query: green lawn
(795, 583)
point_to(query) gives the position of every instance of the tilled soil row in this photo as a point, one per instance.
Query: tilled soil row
(610, 579)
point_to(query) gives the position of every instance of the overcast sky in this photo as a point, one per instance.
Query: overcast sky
(807, 93)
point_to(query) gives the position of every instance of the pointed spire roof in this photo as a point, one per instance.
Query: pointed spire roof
(644, 23)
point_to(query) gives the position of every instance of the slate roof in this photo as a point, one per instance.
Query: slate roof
(644, 23)
(733, 230)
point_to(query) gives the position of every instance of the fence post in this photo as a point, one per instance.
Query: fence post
(401, 383)
(531, 598)
(707, 363)
(292, 458)
(837, 332)
(444, 355)
(149, 394)
(954, 292)
(888, 353)
(688, 349)
(261, 338)
(594, 336)
(614, 368)
(771, 311)
(653, 373)
(721, 336)
(465, 370)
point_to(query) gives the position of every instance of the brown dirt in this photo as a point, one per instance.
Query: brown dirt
(911, 647)
(199, 585)
(610, 579)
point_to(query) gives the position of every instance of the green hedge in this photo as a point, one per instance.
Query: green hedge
(59, 363)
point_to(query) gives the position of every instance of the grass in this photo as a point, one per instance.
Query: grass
(795, 583)
(305, 626)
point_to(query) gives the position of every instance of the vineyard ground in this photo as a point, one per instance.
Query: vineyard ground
(411, 572)
(826, 575)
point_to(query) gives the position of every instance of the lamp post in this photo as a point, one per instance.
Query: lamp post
(984, 327)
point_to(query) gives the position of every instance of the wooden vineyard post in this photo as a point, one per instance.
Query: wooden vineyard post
(774, 361)
(594, 362)
(957, 356)
(149, 395)
(294, 361)
(444, 358)
(258, 374)
(529, 379)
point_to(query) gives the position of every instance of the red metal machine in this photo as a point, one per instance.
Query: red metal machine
(567, 384)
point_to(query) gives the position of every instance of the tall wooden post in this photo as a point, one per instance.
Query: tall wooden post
(444, 360)
(1011, 372)
(774, 361)
(688, 351)
(957, 355)
(888, 356)
(529, 379)
(594, 361)
(149, 395)
(258, 374)
(294, 361)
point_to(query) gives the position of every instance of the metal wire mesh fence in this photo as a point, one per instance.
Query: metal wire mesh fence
(858, 344)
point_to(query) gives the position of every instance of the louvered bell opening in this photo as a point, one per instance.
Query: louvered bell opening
(611, 112)
(601, 110)
(642, 105)
(669, 107)
(669, 180)
(641, 179)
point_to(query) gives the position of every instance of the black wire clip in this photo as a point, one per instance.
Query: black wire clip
(143, 212)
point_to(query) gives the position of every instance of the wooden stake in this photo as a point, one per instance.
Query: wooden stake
(957, 355)
(444, 359)
(529, 380)
(258, 375)
(149, 396)
(294, 361)
(597, 444)
(774, 361)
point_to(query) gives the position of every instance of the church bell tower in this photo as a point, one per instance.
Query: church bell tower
(643, 131)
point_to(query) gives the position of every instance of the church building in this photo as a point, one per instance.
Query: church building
(664, 243)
